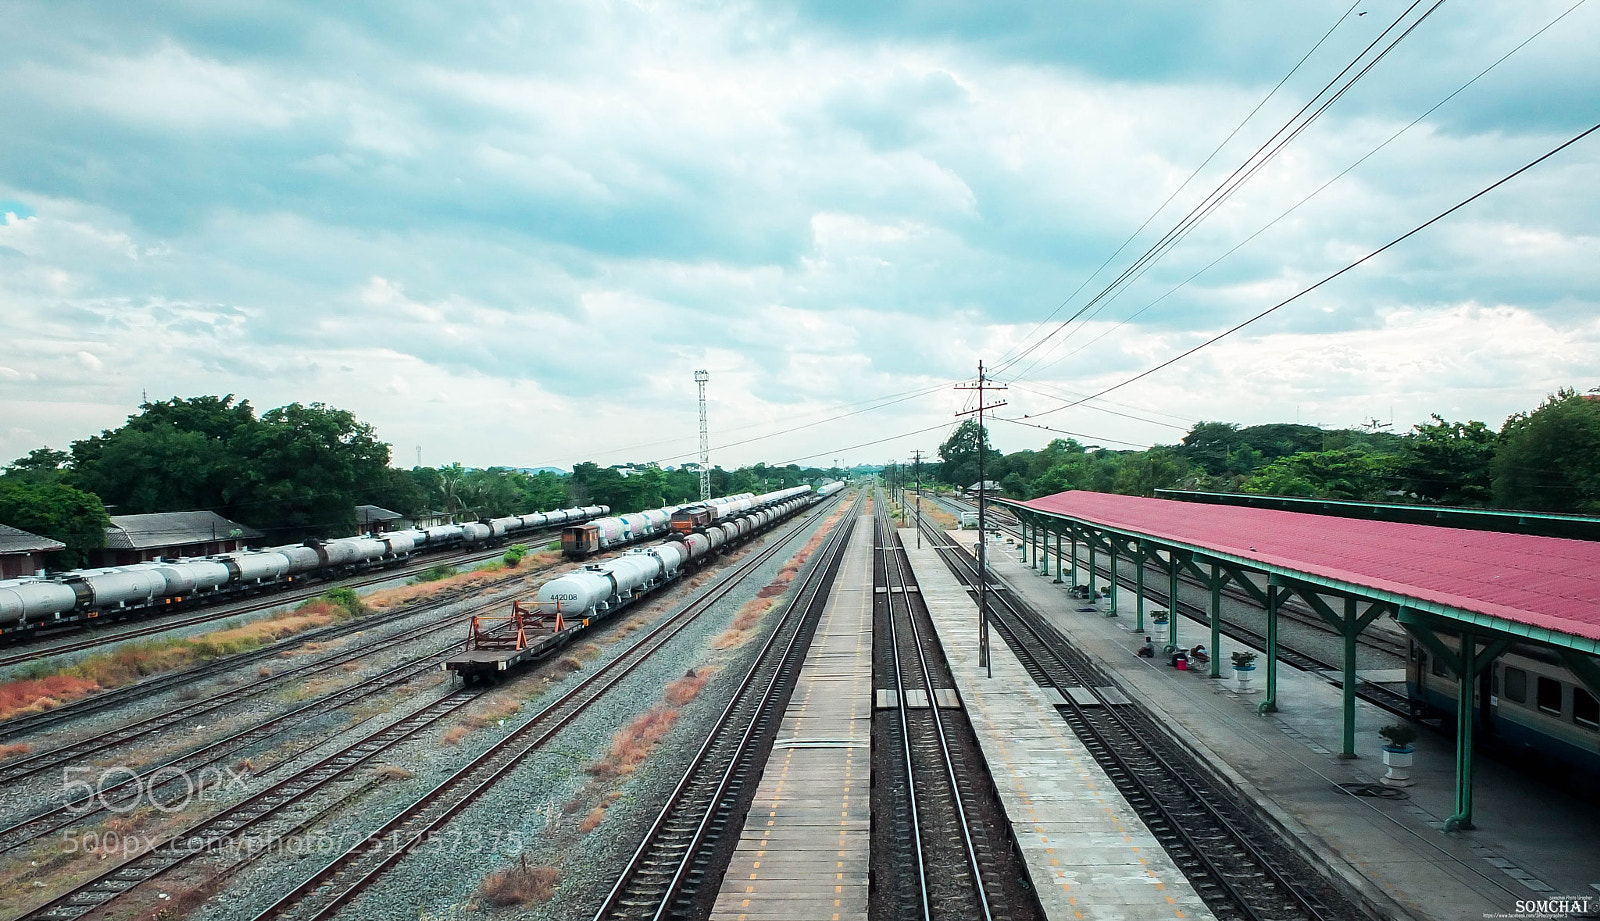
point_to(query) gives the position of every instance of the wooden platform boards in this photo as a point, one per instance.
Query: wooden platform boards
(1088, 855)
(804, 851)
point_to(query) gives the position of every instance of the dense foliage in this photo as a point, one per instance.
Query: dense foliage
(1547, 460)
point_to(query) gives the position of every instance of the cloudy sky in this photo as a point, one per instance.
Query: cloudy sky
(509, 233)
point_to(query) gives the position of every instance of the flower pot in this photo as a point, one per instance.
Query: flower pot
(1243, 675)
(1398, 762)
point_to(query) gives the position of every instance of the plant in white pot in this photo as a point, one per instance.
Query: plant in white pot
(1397, 753)
(1244, 667)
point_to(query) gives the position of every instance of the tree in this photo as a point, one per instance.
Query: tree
(1211, 444)
(174, 455)
(1549, 459)
(58, 511)
(302, 469)
(1448, 462)
(1353, 474)
(41, 465)
(960, 454)
(1143, 473)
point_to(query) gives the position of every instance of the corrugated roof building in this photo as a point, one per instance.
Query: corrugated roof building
(136, 538)
(22, 553)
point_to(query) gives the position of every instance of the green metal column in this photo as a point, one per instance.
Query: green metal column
(1274, 595)
(1112, 612)
(1073, 535)
(1138, 581)
(1090, 542)
(1349, 629)
(1172, 599)
(1022, 545)
(1466, 684)
(1216, 620)
(1058, 557)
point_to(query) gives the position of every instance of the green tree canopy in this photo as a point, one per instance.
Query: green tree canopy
(57, 511)
(1447, 462)
(1353, 474)
(1549, 459)
(960, 455)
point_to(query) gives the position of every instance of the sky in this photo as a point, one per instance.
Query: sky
(509, 233)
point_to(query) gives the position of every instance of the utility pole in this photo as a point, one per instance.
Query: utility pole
(700, 378)
(916, 467)
(983, 523)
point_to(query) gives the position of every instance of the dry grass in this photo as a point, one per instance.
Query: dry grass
(392, 772)
(138, 660)
(183, 900)
(634, 742)
(744, 622)
(520, 885)
(493, 713)
(688, 687)
(940, 517)
(569, 664)
(455, 734)
(592, 820)
(7, 752)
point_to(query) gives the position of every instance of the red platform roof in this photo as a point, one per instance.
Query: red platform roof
(1545, 582)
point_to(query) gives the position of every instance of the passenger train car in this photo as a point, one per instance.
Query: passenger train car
(165, 584)
(1530, 706)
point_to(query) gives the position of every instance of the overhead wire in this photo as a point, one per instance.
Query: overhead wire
(1319, 190)
(1183, 185)
(1267, 151)
(1330, 277)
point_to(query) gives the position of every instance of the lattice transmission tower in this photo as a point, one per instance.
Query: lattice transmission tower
(700, 378)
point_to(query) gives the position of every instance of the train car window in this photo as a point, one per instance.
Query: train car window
(1515, 684)
(1438, 667)
(1549, 695)
(1585, 709)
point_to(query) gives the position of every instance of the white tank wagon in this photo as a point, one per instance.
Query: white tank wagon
(829, 489)
(569, 604)
(143, 587)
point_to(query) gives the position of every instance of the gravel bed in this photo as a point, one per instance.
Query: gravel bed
(528, 811)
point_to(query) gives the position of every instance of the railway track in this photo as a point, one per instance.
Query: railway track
(947, 852)
(321, 896)
(342, 880)
(678, 864)
(233, 607)
(1376, 694)
(1236, 862)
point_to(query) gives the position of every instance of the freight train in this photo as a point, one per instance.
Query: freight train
(690, 518)
(579, 541)
(567, 605)
(81, 595)
(1531, 709)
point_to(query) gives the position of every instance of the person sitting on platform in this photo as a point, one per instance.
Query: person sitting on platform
(1198, 654)
(1148, 650)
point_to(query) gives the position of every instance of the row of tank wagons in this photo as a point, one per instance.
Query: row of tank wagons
(88, 593)
(599, 589)
(700, 515)
(1538, 709)
(602, 534)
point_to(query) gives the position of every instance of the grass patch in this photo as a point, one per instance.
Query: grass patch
(455, 734)
(134, 661)
(14, 750)
(519, 885)
(392, 772)
(435, 574)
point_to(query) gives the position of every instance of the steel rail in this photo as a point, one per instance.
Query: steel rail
(358, 868)
(681, 828)
(226, 827)
(1011, 619)
(896, 574)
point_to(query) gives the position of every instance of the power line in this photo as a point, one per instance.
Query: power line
(1304, 291)
(1268, 150)
(1318, 191)
(1184, 185)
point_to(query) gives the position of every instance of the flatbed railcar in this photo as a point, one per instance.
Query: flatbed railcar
(566, 606)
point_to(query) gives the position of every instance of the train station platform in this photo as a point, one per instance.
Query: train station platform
(805, 849)
(1088, 854)
(1531, 843)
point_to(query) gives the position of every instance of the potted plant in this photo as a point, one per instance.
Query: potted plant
(1158, 616)
(1397, 753)
(1244, 667)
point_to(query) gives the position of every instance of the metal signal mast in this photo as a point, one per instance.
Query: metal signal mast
(700, 378)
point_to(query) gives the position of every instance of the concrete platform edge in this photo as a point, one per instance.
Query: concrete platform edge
(1311, 847)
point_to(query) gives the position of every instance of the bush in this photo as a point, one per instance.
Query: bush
(434, 574)
(345, 598)
(1399, 736)
(1244, 659)
(514, 555)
